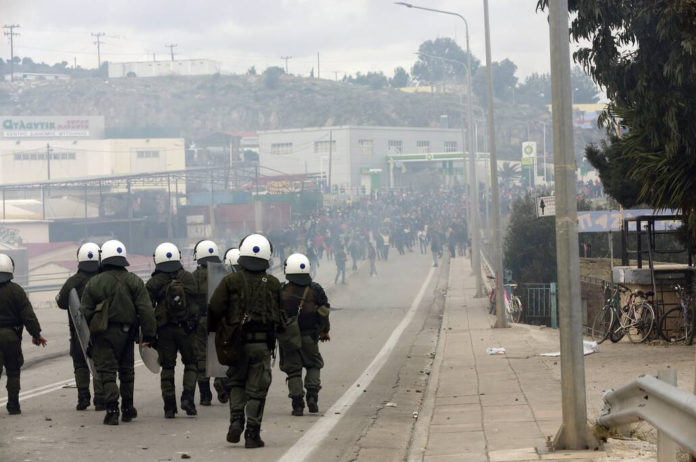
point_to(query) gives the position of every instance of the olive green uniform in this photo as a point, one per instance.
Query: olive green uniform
(16, 313)
(174, 336)
(314, 322)
(200, 276)
(78, 282)
(251, 299)
(112, 350)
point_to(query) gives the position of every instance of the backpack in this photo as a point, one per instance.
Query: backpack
(258, 301)
(175, 301)
(120, 298)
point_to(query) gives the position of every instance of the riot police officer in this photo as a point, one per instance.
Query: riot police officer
(119, 297)
(172, 290)
(232, 258)
(16, 313)
(205, 252)
(87, 267)
(307, 300)
(247, 304)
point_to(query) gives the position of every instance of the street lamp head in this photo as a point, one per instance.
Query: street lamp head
(407, 5)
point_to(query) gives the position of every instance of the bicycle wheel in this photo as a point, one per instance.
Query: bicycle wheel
(602, 324)
(642, 319)
(516, 308)
(674, 326)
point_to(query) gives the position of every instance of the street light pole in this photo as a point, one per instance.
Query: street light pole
(574, 432)
(473, 185)
(501, 321)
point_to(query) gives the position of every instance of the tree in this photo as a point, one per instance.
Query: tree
(440, 60)
(504, 81)
(642, 52)
(251, 70)
(271, 76)
(584, 89)
(508, 173)
(374, 80)
(614, 173)
(535, 90)
(530, 244)
(400, 78)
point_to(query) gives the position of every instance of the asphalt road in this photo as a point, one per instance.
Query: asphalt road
(375, 324)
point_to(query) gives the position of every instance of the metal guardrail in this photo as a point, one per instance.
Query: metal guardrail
(667, 408)
(488, 271)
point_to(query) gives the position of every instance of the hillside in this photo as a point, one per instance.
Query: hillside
(193, 107)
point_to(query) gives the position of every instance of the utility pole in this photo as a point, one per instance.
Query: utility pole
(98, 43)
(48, 160)
(11, 34)
(318, 66)
(574, 432)
(286, 58)
(171, 47)
(330, 157)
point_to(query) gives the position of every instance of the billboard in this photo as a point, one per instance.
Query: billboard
(47, 127)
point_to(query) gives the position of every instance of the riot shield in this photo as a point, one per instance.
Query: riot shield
(213, 368)
(81, 328)
(149, 356)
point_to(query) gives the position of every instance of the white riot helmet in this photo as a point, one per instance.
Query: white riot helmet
(88, 257)
(297, 269)
(255, 252)
(167, 257)
(232, 257)
(7, 268)
(113, 253)
(205, 251)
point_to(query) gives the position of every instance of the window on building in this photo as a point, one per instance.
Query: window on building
(366, 147)
(395, 146)
(323, 146)
(450, 146)
(281, 148)
(53, 156)
(147, 154)
(423, 146)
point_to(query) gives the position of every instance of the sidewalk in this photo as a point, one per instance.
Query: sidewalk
(481, 407)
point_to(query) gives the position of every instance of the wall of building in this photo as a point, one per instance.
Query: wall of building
(162, 68)
(356, 149)
(26, 161)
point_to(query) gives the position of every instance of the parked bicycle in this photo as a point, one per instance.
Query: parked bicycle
(513, 304)
(677, 324)
(635, 319)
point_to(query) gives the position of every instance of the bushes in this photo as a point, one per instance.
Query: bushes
(530, 244)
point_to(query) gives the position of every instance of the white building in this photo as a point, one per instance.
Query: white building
(361, 157)
(163, 68)
(38, 149)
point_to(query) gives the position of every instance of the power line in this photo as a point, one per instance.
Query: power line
(98, 43)
(286, 58)
(171, 47)
(11, 34)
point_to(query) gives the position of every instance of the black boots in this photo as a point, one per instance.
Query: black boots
(252, 438)
(83, 400)
(297, 406)
(128, 412)
(13, 405)
(111, 417)
(313, 400)
(99, 405)
(187, 403)
(222, 395)
(205, 393)
(170, 408)
(236, 428)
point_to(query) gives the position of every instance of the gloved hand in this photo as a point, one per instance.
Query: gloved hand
(149, 341)
(191, 326)
(325, 337)
(39, 341)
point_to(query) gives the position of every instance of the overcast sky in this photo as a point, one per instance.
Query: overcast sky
(350, 35)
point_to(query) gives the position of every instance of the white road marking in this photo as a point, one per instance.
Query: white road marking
(311, 439)
(50, 388)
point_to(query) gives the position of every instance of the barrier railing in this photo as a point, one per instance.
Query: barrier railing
(658, 401)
